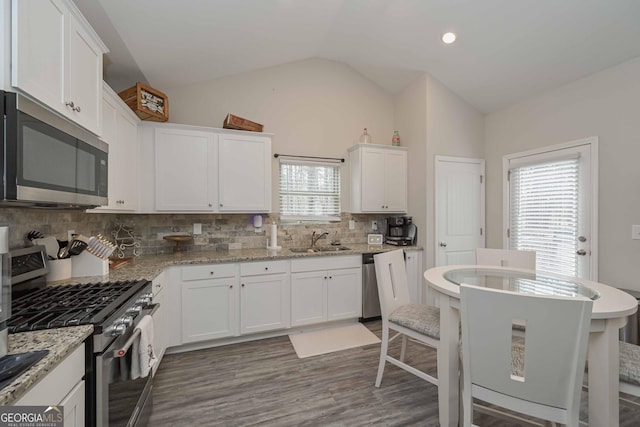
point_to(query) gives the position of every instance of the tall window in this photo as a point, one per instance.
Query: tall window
(550, 207)
(309, 190)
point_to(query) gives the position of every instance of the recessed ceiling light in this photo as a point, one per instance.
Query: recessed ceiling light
(448, 38)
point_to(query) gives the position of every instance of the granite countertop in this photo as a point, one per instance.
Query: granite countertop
(60, 342)
(150, 266)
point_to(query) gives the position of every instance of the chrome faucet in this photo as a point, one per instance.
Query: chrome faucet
(315, 239)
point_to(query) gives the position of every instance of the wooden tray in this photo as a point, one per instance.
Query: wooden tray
(235, 122)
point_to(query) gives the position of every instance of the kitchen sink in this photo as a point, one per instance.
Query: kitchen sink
(332, 248)
(303, 249)
(15, 364)
(320, 249)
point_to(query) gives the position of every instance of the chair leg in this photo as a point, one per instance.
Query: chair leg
(384, 346)
(466, 402)
(403, 348)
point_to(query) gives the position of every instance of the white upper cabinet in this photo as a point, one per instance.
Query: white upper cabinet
(199, 169)
(378, 179)
(120, 131)
(244, 173)
(184, 170)
(57, 59)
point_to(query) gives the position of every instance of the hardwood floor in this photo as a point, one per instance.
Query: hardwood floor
(264, 383)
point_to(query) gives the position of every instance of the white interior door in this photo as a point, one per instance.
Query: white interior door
(459, 198)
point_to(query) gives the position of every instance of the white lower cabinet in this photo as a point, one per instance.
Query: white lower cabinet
(325, 289)
(264, 296)
(308, 297)
(63, 385)
(160, 321)
(73, 405)
(209, 302)
(214, 301)
(344, 293)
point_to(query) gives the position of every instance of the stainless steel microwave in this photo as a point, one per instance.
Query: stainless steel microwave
(47, 161)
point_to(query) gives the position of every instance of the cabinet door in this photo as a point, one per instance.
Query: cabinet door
(264, 303)
(373, 180)
(159, 327)
(413, 264)
(308, 297)
(127, 167)
(344, 294)
(244, 173)
(395, 181)
(38, 38)
(209, 309)
(185, 179)
(84, 79)
(74, 406)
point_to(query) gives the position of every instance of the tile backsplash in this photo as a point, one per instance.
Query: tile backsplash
(219, 231)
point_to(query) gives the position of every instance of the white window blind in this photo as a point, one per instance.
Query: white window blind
(309, 190)
(544, 213)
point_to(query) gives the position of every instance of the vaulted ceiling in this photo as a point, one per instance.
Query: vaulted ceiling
(507, 50)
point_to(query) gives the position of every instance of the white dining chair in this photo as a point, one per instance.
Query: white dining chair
(541, 376)
(630, 369)
(419, 322)
(506, 258)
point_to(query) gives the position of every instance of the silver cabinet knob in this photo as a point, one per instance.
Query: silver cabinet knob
(72, 105)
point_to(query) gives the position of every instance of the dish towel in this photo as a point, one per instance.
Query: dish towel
(143, 356)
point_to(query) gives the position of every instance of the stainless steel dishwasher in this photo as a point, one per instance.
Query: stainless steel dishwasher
(370, 297)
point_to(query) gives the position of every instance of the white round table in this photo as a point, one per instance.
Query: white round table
(610, 310)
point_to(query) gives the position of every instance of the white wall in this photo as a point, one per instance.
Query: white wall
(432, 121)
(314, 107)
(411, 121)
(454, 128)
(605, 105)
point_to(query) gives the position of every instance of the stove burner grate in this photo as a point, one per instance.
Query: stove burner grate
(70, 305)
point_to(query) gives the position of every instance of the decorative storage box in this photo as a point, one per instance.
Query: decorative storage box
(148, 103)
(235, 122)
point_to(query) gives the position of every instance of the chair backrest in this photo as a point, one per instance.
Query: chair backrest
(555, 348)
(391, 275)
(506, 258)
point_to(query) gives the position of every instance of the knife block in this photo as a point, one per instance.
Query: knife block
(59, 269)
(86, 264)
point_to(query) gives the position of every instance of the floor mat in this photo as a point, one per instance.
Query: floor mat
(324, 341)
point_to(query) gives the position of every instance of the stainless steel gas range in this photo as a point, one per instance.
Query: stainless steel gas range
(113, 396)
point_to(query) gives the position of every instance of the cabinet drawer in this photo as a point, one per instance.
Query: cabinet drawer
(264, 267)
(325, 263)
(209, 271)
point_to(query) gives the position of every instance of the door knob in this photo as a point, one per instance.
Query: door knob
(581, 252)
(443, 245)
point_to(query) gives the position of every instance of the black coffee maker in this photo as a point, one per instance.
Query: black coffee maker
(401, 231)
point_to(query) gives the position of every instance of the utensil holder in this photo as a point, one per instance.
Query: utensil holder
(87, 264)
(59, 269)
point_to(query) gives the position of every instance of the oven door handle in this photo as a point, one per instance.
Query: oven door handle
(151, 309)
(120, 352)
